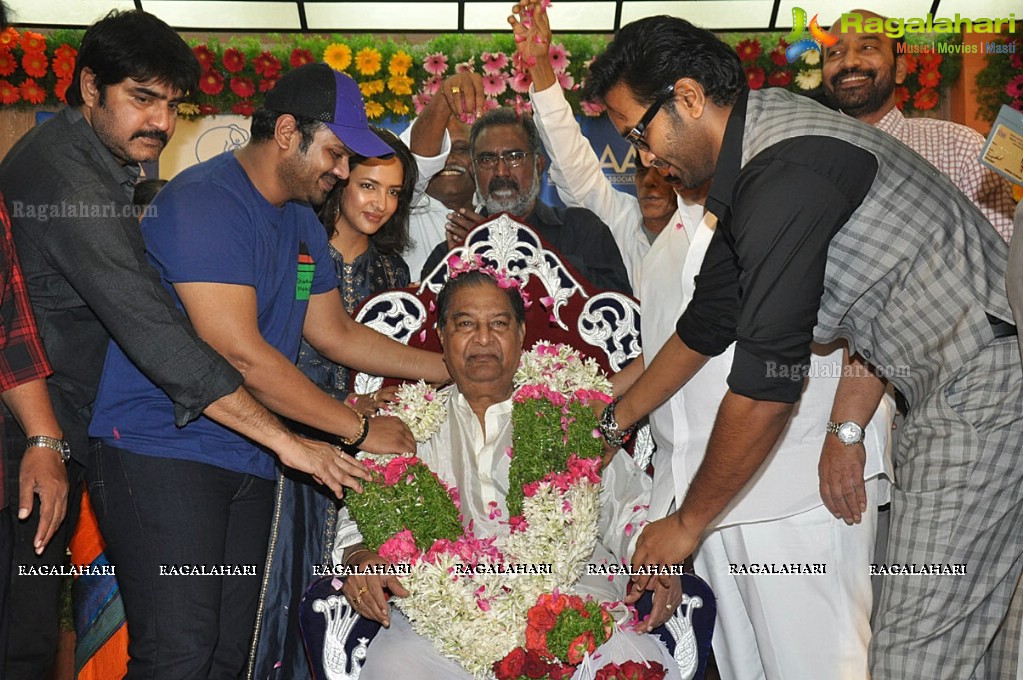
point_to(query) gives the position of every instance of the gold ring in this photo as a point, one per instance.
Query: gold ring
(358, 601)
(361, 591)
(669, 607)
(455, 89)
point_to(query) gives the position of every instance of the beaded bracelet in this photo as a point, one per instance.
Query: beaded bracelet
(357, 440)
(609, 429)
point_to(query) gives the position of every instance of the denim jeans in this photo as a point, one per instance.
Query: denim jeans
(162, 517)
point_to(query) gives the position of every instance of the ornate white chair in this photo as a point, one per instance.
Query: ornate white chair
(564, 308)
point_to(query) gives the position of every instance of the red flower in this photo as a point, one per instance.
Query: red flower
(301, 58)
(780, 79)
(33, 42)
(208, 110)
(65, 51)
(234, 60)
(581, 646)
(205, 56)
(929, 60)
(9, 94)
(211, 82)
(244, 108)
(60, 89)
(755, 77)
(9, 38)
(926, 99)
(63, 66)
(534, 666)
(267, 84)
(748, 50)
(541, 617)
(910, 63)
(901, 96)
(1016, 60)
(267, 65)
(35, 64)
(242, 86)
(32, 93)
(8, 64)
(510, 667)
(778, 57)
(1014, 88)
(929, 78)
(536, 639)
(1015, 103)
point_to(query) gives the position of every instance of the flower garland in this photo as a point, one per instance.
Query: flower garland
(398, 78)
(470, 595)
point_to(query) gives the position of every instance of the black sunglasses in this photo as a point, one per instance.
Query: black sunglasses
(635, 135)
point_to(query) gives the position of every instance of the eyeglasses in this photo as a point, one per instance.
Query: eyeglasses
(635, 135)
(512, 159)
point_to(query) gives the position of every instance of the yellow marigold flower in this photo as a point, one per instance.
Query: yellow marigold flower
(400, 63)
(374, 110)
(367, 61)
(371, 87)
(338, 56)
(188, 109)
(400, 84)
(398, 106)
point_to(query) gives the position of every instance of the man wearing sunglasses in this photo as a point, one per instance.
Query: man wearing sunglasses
(507, 161)
(831, 229)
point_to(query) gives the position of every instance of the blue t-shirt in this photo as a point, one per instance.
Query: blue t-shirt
(211, 225)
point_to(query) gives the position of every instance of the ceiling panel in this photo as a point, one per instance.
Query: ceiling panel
(226, 14)
(712, 14)
(988, 9)
(62, 12)
(571, 17)
(831, 10)
(382, 16)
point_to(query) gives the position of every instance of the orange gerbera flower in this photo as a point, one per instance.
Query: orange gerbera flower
(9, 38)
(9, 94)
(8, 63)
(33, 42)
(63, 67)
(925, 99)
(65, 51)
(60, 89)
(35, 64)
(32, 92)
(930, 78)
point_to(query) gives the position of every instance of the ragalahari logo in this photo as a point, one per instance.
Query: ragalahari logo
(819, 38)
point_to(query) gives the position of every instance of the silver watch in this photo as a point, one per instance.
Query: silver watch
(58, 445)
(848, 433)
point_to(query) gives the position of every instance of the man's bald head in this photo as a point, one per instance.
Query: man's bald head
(861, 70)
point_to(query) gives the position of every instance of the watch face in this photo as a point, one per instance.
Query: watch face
(850, 433)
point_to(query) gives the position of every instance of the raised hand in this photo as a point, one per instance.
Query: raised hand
(532, 32)
(464, 95)
(328, 465)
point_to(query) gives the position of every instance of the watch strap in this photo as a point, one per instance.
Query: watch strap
(58, 445)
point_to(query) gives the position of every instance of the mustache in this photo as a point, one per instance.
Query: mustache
(870, 73)
(502, 183)
(154, 134)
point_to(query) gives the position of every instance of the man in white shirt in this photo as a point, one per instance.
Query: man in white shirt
(481, 327)
(769, 626)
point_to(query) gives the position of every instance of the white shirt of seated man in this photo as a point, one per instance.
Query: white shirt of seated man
(482, 330)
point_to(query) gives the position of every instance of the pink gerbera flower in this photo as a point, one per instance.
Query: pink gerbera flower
(494, 62)
(436, 64)
(566, 81)
(520, 82)
(465, 67)
(432, 86)
(559, 57)
(494, 84)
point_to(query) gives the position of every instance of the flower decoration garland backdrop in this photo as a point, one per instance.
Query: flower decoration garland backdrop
(1001, 81)
(398, 78)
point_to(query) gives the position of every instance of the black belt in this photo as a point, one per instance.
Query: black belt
(1001, 329)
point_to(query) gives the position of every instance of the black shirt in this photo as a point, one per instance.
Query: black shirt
(84, 261)
(579, 236)
(761, 281)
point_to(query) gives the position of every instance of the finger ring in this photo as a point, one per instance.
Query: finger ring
(361, 591)
(669, 607)
(358, 600)
(455, 89)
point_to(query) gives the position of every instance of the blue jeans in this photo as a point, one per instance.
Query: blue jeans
(161, 517)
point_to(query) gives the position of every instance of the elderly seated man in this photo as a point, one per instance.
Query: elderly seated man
(481, 328)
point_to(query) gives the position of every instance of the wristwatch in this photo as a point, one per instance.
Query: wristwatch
(848, 433)
(58, 445)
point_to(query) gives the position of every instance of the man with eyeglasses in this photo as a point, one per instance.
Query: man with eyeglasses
(767, 626)
(507, 163)
(828, 229)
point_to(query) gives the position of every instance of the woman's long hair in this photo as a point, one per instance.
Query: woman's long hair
(393, 237)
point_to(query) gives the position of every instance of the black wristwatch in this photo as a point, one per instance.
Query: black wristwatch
(58, 445)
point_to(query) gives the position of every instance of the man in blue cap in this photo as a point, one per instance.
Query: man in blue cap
(186, 511)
